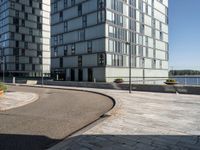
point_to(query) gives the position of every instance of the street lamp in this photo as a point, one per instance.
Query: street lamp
(130, 65)
(40, 56)
(3, 62)
(143, 70)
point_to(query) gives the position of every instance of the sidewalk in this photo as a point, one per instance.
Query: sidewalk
(16, 99)
(142, 120)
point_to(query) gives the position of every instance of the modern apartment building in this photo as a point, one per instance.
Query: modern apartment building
(25, 37)
(93, 39)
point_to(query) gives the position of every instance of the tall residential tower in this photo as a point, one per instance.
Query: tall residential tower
(93, 39)
(25, 37)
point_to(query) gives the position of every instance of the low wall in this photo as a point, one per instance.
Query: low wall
(164, 88)
(182, 89)
(135, 87)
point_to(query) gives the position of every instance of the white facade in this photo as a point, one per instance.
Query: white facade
(91, 39)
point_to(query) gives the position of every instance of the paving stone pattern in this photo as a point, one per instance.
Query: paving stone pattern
(143, 121)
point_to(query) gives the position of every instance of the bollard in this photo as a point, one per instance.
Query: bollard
(13, 80)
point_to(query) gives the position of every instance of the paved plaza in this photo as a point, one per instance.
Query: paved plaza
(143, 121)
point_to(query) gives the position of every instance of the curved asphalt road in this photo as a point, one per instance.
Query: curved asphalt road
(54, 116)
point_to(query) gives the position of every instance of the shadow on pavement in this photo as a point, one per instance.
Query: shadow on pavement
(104, 142)
(25, 142)
(133, 142)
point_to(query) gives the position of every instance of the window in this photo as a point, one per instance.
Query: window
(101, 59)
(61, 62)
(33, 11)
(17, 13)
(39, 46)
(40, 6)
(55, 7)
(12, 35)
(101, 16)
(55, 40)
(23, 67)
(16, 51)
(12, 4)
(73, 49)
(61, 39)
(23, 7)
(26, 45)
(17, 43)
(26, 16)
(17, 66)
(33, 67)
(55, 51)
(89, 46)
(81, 35)
(79, 61)
(153, 63)
(65, 50)
(33, 39)
(79, 9)
(30, 60)
(84, 19)
(72, 2)
(16, 21)
(23, 23)
(39, 19)
(30, 31)
(65, 26)
(65, 3)
(161, 36)
(101, 4)
(23, 37)
(17, 29)
(39, 53)
(39, 26)
(61, 16)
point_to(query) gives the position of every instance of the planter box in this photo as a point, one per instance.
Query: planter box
(171, 83)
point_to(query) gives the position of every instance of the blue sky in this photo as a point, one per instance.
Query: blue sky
(184, 34)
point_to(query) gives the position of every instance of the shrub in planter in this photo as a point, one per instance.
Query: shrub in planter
(118, 80)
(170, 82)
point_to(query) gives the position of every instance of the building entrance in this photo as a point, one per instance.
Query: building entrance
(90, 74)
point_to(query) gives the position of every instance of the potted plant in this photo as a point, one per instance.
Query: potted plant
(118, 81)
(171, 82)
(3, 89)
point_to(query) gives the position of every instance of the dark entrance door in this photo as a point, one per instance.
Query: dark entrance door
(90, 75)
(72, 75)
(80, 75)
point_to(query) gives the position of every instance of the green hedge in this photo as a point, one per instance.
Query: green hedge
(171, 80)
(3, 87)
(119, 80)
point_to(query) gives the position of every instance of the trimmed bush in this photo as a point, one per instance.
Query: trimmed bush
(3, 87)
(171, 81)
(118, 80)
